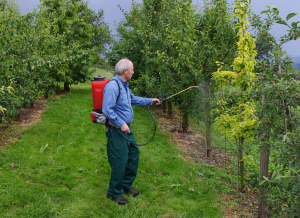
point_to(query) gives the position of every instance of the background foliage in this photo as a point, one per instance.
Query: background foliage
(57, 43)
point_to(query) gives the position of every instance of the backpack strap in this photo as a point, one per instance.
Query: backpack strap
(107, 120)
(119, 90)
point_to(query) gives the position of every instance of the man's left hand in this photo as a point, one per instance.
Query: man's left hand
(156, 100)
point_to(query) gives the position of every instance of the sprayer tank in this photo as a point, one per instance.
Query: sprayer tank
(98, 85)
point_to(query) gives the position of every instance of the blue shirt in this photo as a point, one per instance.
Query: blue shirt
(120, 112)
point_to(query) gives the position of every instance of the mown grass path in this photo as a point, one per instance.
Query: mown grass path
(59, 168)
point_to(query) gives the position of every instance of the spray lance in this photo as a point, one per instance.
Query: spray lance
(163, 99)
(98, 85)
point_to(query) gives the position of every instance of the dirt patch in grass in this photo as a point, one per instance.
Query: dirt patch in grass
(26, 118)
(238, 204)
(30, 116)
(192, 143)
(234, 204)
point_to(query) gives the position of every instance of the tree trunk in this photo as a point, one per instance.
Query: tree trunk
(57, 90)
(241, 150)
(207, 121)
(286, 126)
(238, 164)
(242, 169)
(170, 109)
(31, 103)
(46, 95)
(264, 170)
(164, 107)
(185, 122)
(66, 86)
(291, 126)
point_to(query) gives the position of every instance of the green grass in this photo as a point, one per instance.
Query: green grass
(60, 169)
(102, 72)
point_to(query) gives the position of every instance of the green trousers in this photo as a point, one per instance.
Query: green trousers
(123, 158)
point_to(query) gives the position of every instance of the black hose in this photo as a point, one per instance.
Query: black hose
(131, 141)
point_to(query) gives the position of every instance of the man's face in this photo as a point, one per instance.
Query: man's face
(129, 72)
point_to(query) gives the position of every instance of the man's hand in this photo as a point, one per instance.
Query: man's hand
(156, 100)
(125, 128)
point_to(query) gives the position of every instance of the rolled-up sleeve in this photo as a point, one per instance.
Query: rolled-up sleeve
(139, 101)
(110, 95)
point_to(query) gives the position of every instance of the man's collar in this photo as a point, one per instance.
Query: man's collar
(126, 84)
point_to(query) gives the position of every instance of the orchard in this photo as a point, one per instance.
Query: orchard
(254, 88)
(248, 89)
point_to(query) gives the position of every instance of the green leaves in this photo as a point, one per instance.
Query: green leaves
(275, 11)
(289, 16)
(84, 35)
(265, 11)
(294, 170)
(238, 119)
(294, 24)
(281, 22)
(276, 90)
(160, 42)
(42, 48)
(262, 182)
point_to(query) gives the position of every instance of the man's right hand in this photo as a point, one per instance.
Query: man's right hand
(125, 128)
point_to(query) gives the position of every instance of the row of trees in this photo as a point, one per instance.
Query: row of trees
(174, 45)
(264, 105)
(58, 42)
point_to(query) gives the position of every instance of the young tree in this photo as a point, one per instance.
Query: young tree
(130, 41)
(159, 35)
(278, 86)
(238, 119)
(101, 34)
(84, 33)
(216, 42)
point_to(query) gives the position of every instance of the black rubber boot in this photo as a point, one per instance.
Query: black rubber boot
(120, 200)
(132, 192)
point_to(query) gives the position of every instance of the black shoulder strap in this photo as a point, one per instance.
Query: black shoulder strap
(119, 90)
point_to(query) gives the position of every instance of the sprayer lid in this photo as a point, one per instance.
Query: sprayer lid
(99, 78)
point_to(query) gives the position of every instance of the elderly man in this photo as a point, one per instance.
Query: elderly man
(123, 156)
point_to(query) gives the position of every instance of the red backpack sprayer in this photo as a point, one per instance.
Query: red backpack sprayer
(98, 85)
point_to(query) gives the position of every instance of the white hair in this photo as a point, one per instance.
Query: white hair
(123, 64)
